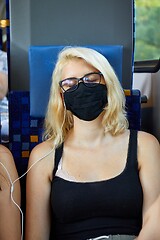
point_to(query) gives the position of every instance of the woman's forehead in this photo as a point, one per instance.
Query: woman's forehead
(76, 68)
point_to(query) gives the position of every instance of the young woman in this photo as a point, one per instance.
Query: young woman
(10, 226)
(92, 178)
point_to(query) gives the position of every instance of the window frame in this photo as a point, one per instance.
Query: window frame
(143, 66)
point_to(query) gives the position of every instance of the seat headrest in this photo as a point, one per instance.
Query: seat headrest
(42, 60)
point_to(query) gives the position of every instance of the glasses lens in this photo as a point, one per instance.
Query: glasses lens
(69, 84)
(92, 79)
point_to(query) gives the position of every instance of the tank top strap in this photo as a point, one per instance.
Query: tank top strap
(132, 148)
(57, 158)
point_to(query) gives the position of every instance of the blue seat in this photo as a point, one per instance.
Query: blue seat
(27, 109)
(41, 62)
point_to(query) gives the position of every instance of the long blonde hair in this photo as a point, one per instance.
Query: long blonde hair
(59, 121)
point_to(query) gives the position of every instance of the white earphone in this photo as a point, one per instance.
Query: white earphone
(12, 186)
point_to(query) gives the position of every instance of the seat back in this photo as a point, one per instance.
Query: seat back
(27, 109)
(42, 60)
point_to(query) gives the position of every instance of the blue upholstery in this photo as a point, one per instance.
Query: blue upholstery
(26, 131)
(42, 60)
(27, 109)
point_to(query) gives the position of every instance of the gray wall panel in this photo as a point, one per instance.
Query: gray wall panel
(71, 22)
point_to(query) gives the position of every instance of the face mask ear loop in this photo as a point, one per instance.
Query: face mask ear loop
(64, 114)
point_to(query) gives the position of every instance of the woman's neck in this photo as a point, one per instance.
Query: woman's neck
(87, 133)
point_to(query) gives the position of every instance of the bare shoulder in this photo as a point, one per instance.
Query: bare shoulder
(148, 140)
(7, 166)
(40, 151)
(41, 159)
(6, 158)
(4, 151)
(148, 147)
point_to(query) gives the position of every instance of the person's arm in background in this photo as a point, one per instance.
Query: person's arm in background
(149, 162)
(3, 74)
(10, 219)
(3, 84)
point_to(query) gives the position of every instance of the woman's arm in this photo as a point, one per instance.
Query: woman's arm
(38, 211)
(10, 219)
(149, 162)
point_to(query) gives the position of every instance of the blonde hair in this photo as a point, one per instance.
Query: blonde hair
(59, 121)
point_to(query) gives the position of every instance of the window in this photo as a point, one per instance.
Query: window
(147, 30)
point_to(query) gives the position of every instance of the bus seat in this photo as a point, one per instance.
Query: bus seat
(27, 109)
(41, 62)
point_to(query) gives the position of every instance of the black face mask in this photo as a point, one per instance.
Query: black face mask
(86, 103)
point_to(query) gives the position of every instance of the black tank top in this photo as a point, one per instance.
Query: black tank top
(85, 210)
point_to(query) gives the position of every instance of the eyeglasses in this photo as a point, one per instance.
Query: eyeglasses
(90, 80)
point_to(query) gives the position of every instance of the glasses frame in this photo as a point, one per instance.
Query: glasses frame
(80, 80)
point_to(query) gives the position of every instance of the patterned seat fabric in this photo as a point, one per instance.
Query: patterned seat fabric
(26, 130)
